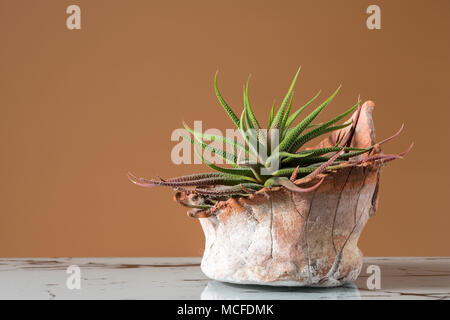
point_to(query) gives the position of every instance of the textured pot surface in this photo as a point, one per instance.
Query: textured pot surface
(276, 237)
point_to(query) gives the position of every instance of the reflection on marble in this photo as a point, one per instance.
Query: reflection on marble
(224, 291)
(181, 278)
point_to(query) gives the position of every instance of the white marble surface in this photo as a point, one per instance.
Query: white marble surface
(181, 278)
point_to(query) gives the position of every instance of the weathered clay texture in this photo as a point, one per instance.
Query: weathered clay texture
(276, 237)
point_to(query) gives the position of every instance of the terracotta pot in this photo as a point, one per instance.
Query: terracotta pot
(277, 237)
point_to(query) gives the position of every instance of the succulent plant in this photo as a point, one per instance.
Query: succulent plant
(297, 166)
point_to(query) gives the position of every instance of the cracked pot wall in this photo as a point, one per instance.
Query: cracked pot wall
(279, 237)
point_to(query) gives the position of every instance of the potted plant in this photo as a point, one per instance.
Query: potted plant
(296, 223)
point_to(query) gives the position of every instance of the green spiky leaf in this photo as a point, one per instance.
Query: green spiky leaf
(233, 171)
(227, 157)
(277, 121)
(294, 116)
(203, 136)
(271, 115)
(322, 129)
(290, 138)
(224, 104)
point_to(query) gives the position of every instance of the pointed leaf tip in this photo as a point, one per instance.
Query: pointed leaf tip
(139, 181)
(404, 153)
(393, 136)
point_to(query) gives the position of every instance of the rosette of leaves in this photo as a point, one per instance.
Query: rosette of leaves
(297, 165)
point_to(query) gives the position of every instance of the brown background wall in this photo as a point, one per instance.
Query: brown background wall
(81, 108)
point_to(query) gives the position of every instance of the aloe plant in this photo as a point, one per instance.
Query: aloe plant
(296, 165)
